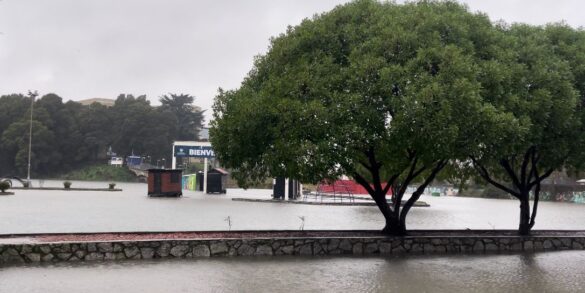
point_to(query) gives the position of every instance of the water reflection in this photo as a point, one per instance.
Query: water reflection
(544, 272)
(131, 210)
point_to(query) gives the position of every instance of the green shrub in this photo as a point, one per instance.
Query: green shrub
(101, 173)
(67, 184)
(4, 185)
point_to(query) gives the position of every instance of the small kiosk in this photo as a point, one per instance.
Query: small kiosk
(282, 186)
(216, 180)
(190, 182)
(165, 182)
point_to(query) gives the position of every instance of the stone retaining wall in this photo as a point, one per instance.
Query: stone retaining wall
(120, 250)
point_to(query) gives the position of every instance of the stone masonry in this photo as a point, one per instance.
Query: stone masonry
(149, 249)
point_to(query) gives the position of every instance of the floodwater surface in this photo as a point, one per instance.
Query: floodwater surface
(538, 272)
(49, 211)
(35, 211)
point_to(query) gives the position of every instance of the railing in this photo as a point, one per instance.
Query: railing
(338, 190)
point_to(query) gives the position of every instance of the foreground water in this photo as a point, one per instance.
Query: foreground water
(36, 211)
(74, 211)
(540, 272)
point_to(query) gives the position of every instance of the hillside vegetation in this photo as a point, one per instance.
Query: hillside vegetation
(101, 173)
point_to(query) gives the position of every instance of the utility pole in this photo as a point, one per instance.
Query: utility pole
(32, 96)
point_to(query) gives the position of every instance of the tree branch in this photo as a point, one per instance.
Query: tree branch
(486, 176)
(416, 173)
(533, 164)
(536, 198)
(527, 158)
(379, 198)
(404, 184)
(363, 182)
(537, 180)
(375, 170)
(511, 172)
(416, 195)
(390, 182)
(368, 167)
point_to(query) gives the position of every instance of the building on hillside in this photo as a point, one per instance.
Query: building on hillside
(116, 161)
(101, 101)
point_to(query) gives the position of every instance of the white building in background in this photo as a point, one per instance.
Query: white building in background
(116, 161)
(102, 101)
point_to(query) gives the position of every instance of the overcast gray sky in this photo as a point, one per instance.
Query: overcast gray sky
(83, 49)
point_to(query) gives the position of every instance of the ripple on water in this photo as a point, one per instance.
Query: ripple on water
(541, 272)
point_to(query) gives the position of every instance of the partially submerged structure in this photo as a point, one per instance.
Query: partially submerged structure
(165, 182)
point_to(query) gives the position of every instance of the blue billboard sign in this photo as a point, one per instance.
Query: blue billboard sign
(183, 151)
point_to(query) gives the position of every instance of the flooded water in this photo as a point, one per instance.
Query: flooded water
(540, 272)
(35, 211)
(84, 211)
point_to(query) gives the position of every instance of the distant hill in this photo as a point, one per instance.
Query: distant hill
(105, 102)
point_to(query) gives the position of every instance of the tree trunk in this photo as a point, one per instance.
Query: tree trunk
(523, 182)
(394, 227)
(535, 204)
(524, 227)
(378, 194)
(418, 192)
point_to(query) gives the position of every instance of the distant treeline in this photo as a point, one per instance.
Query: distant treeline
(70, 135)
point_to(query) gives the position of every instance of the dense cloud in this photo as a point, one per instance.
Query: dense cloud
(100, 48)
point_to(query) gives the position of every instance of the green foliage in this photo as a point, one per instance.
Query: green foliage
(393, 93)
(15, 142)
(536, 123)
(188, 119)
(68, 136)
(101, 173)
(67, 184)
(326, 91)
(4, 186)
(139, 128)
(535, 103)
(382, 92)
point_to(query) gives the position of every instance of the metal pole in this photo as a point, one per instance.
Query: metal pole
(174, 161)
(205, 175)
(32, 103)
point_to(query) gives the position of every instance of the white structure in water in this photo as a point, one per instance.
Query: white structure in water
(193, 149)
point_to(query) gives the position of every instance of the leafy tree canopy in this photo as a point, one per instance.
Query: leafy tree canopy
(70, 135)
(188, 119)
(386, 93)
(537, 122)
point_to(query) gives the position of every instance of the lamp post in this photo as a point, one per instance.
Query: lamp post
(163, 163)
(32, 103)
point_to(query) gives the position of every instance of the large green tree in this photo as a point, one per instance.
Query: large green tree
(140, 129)
(13, 109)
(536, 124)
(188, 118)
(95, 124)
(44, 156)
(70, 135)
(387, 94)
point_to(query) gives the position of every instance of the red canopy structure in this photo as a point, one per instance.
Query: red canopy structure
(345, 186)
